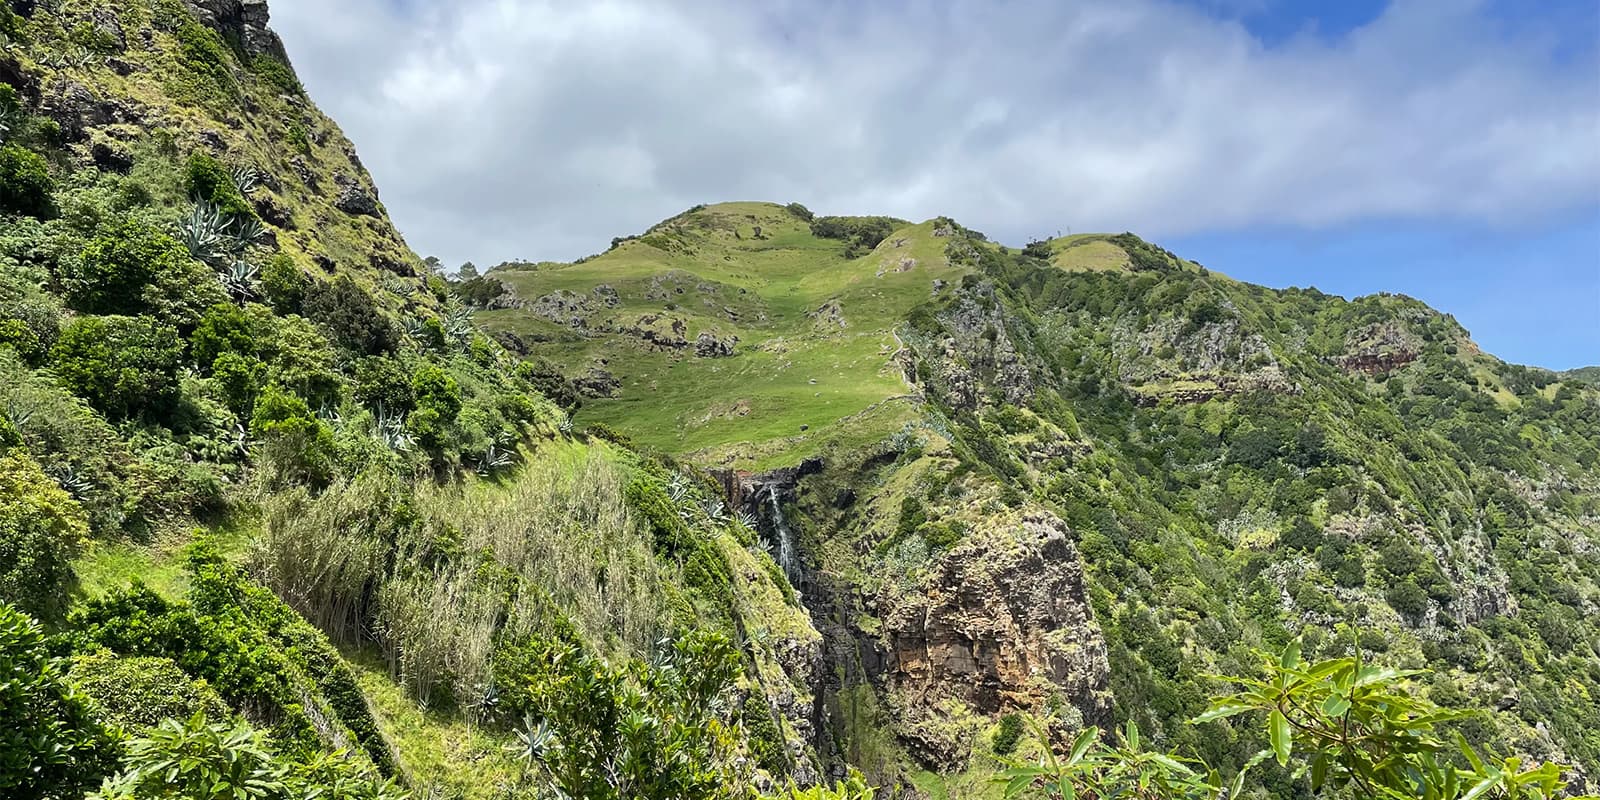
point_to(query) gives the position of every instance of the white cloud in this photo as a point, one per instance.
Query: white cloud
(504, 129)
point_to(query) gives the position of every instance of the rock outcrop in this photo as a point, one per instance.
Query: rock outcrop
(710, 345)
(1000, 622)
(1380, 347)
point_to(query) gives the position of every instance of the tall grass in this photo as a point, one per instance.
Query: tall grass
(436, 575)
(326, 556)
(561, 525)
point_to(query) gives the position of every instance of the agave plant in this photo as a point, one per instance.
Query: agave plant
(458, 323)
(398, 286)
(390, 429)
(678, 490)
(204, 232)
(240, 280)
(240, 440)
(495, 459)
(715, 509)
(535, 743)
(246, 179)
(746, 519)
(73, 483)
(246, 231)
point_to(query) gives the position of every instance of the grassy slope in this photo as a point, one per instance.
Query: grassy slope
(793, 369)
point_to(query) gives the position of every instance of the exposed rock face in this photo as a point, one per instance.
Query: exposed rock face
(830, 316)
(244, 21)
(1000, 622)
(659, 332)
(710, 345)
(606, 295)
(76, 109)
(355, 199)
(978, 354)
(1380, 347)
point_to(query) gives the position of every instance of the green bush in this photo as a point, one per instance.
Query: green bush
(800, 212)
(640, 732)
(382, 381)
(284, 284)
(208, 179)
(238, 380)
(273, 72)
(41, 528)
(124, 366)
(119, 264)
(137, 692)
(1009, 734)
(224, 329)
(51, 746)
(297, 447)
(25, 183)
(203, 58)
(349, 313)
(438, 401)
(196, 760)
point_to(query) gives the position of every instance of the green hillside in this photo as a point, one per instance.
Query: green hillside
(1234, 467)
(758, 504)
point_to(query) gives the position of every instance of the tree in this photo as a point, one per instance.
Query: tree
(25, 183)
(40, 530)
(117, 266)
(349, 313)
(51, 746)
(123, 366)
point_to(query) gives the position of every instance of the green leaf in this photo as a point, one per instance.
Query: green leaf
(1220, 711)
(1482, 788)
(1291, 656)
(1282, 736)
(1335, 705)
(1081, 745)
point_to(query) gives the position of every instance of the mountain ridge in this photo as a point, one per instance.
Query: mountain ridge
(799, 496)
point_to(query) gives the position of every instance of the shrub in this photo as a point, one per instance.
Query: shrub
(40, 530)
(284, 284)
(238, 380)
(25, 183)
(118, 265)
(800, 212)
(1009, 734)
(223, 329)
(273, 72)
(349, 313)
(124, 366)
(202, 55)
(50, 745)
(438, 403)
(140, 691)
(1039, 248)
(297, 447)
(382, 382)
(209, 180)
(479, 291)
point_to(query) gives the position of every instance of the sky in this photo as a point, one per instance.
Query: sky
(1446, 149)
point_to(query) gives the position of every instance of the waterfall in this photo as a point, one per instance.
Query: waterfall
(786, 556)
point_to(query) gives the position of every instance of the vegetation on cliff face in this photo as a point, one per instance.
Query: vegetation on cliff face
(758, 503)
